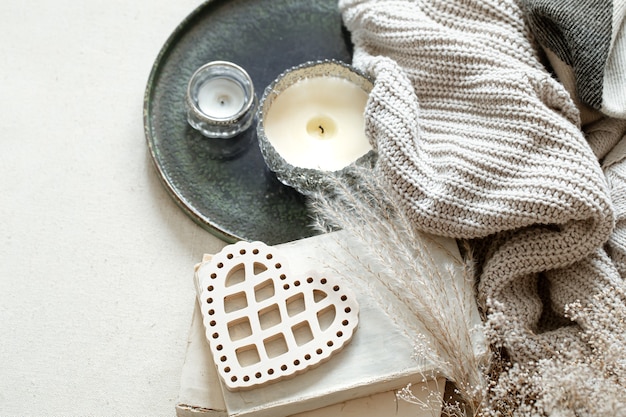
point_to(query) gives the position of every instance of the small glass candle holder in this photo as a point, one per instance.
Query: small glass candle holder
(220, 100)
(311, 123)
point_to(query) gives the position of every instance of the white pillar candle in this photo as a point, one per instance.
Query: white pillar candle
(318, 123)
(221, 98)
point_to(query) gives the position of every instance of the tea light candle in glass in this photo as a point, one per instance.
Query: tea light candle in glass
(220, 100)
(311, 122)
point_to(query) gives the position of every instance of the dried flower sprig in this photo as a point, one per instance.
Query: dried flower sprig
(565, 384)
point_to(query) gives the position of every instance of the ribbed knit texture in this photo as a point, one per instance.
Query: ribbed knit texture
(479, 142)
(613, 92)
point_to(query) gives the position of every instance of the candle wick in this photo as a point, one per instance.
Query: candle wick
(321, 129)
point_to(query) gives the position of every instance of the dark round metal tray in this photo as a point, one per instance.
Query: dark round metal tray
(235, 197)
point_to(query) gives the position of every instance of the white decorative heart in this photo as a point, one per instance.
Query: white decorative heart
(263, 324)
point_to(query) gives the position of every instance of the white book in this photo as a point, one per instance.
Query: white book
(359, 380)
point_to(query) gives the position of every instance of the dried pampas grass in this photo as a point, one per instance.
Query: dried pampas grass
(401, 258)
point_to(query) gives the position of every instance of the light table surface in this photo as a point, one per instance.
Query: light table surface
(96, 260)
(96, 292)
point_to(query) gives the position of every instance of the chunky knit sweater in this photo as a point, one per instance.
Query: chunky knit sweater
(479, 141)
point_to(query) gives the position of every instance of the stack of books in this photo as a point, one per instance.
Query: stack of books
(360, 380)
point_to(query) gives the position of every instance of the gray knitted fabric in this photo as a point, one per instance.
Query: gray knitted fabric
(588, 39)
(479, 142)
(579, 32)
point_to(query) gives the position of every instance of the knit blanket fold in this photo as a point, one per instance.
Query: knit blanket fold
(479, 141)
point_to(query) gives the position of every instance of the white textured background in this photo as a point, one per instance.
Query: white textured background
(96, 261)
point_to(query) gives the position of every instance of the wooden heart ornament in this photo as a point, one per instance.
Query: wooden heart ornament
(262, 323)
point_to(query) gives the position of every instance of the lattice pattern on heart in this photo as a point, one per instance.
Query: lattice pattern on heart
(262, 323)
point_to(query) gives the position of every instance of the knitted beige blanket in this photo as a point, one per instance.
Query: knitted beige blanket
(479, 141)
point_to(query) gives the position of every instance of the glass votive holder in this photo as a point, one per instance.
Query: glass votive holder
(311, 123)
(220, 100)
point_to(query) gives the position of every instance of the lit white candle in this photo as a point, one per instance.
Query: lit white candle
(221, 98)
(318, 123)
